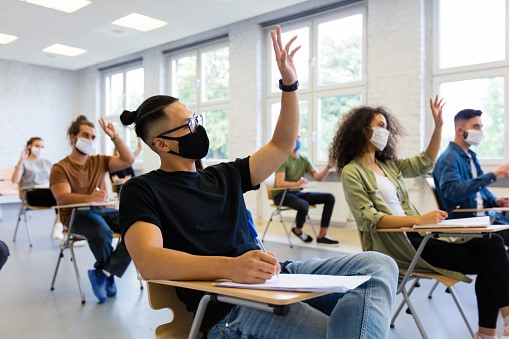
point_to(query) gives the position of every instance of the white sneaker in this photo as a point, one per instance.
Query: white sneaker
(79, 243)
(57, 232)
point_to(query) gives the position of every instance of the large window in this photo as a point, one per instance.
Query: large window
(331, 71)
(122, 89)
(471, 68)
(199, 77)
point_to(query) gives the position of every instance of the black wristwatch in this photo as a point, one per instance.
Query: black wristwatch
(288, 88)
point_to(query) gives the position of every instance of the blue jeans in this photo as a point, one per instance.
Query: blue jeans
(363, 312)
(98, 225)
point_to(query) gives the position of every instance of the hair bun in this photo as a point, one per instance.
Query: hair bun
(128, 117)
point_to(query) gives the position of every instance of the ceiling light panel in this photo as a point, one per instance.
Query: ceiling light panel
(67, 6)
(140, 22)
(64, 50)
(6, 38)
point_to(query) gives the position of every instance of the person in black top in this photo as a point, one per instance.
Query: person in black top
(183, 224)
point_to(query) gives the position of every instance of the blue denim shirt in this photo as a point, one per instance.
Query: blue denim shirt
(455, 184)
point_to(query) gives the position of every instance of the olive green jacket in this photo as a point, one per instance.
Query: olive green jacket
(368, 207)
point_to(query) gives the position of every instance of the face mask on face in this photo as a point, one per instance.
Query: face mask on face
(84, 146)
(298, 144)
(36, 151)
(193, 145)
(473, 137)
(379, 138)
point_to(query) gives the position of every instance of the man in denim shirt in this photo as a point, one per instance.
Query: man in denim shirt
(459, 179)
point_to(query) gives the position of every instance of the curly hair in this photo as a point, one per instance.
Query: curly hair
(352, 136)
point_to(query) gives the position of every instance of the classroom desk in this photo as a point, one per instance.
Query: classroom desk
(433, 232)
(270, 301)
(463, 232)
(484, 209)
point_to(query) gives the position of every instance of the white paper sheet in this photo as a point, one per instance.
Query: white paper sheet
(459, 223)
(304, 283)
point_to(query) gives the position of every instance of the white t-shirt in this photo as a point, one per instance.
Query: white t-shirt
(389, 193)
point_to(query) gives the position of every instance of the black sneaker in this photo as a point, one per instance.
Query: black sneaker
(303, 236)
(326, 240)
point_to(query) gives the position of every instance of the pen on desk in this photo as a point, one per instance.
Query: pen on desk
(453, 208)
(252, 229)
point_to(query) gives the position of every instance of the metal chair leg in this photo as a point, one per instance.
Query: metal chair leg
(287, 231)
(60, 256)
(430, 295)
(268, 224)
(21, 212)
(73, 257)
(406, 296)
(312, 226)
(463, 315)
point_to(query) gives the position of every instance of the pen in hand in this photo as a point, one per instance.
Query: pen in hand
(453, 208)
(252, 229)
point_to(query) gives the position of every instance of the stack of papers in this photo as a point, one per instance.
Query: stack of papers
(304, 283)
(474, 222)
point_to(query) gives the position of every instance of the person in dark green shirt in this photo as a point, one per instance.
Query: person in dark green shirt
(291, 175)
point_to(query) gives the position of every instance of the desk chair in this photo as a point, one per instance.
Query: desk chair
(68, 243)
(162, 294)
(25, 212)
(414, 280)
(279, 208)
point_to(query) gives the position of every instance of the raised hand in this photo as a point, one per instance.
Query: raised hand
(25, 153)
(108, 128)
(284, 56)
(436, 109)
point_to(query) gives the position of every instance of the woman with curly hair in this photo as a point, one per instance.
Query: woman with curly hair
(364, 150)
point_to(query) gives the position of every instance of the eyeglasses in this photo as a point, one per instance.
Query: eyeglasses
(192, 124)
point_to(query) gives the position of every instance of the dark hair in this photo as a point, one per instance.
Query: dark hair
(150, 112)
(466, 114)
(32, 140)
(352, 136)
(74, 128)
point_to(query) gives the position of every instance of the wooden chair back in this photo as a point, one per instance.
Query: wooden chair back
(165, 296)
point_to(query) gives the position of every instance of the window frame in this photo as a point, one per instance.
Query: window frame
(125, 132)
(470, 72)
(200, 107)
(315, 91)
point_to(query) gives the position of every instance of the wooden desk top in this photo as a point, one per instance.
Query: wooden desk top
(265, 296)
(89, 204)
(464, 230)
(489, 209)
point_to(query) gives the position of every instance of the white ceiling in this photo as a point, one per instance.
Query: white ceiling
(90, 28)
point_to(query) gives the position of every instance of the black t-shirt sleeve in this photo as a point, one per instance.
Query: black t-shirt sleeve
(137, 203)
(245, 175)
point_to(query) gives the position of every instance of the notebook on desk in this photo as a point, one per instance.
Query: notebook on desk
(474, 222)
(304, 283)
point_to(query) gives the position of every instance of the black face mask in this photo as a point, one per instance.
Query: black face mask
(193, 145)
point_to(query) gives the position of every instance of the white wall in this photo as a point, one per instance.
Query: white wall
(397, 76)
(35, 101)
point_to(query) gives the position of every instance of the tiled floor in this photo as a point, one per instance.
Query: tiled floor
(31, 310)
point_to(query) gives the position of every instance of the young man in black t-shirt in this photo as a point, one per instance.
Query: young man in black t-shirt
(184, 224)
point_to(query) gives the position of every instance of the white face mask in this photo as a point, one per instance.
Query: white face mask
(85, 146)
(379, 137)
(37, 151)
(474, 137)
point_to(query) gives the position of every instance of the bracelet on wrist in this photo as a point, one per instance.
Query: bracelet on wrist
(114, 137)
(288, 88)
